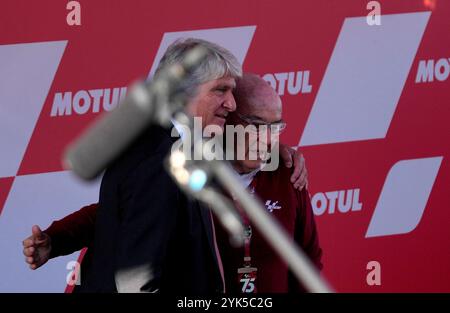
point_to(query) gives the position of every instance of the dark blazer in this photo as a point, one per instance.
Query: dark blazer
(146, 224)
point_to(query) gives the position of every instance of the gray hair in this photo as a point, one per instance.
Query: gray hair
(218, 63)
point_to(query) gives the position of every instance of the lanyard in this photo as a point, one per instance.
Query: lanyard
(246, 275)
(247, 231)
(247, 240)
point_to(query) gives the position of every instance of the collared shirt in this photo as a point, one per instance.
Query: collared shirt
(247, 178)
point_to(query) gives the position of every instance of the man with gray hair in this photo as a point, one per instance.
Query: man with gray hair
(210, 85)
(148, 235)
(145, 234)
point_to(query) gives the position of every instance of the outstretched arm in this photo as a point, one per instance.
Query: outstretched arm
(63, 237)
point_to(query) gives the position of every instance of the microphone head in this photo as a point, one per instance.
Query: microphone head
(145, 104)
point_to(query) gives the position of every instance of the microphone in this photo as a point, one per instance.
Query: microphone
(145, 104)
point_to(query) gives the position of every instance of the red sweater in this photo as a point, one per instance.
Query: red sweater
(292, 208)
(73, 232)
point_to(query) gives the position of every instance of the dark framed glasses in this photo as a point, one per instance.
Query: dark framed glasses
(275, 128)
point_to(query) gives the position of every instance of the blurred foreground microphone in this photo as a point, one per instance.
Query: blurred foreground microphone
(145, 104)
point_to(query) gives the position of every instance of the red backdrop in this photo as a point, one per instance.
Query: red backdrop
(367, 104)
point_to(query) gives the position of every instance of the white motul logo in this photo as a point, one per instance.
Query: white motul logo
(291, 83)
(429, 70)
(343, 201)
(364, 79)
(404, 197)
(270, 206)
(87, 101)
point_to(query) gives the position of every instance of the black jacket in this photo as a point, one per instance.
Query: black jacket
(144, 222)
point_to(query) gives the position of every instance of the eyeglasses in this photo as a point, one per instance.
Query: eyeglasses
(275, 128)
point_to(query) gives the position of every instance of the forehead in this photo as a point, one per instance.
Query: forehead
(226, 81)
(263, 108)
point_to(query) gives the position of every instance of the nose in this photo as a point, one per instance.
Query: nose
(229, 103)
(268, 138)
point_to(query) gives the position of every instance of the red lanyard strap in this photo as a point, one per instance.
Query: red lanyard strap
(247, 239)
